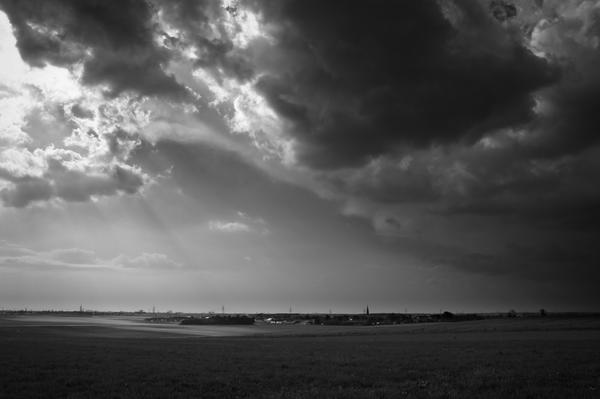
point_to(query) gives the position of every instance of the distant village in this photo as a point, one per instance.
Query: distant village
(327, 319)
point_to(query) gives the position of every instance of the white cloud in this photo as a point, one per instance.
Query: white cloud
(244, 224)
(228, 227)
(243, 25)
(18, 163)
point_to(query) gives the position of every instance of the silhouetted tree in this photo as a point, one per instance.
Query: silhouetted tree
(447, 315)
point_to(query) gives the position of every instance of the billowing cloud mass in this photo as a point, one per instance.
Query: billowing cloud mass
(114, 43)
(60, 140)
(401, 74)
(459, 134)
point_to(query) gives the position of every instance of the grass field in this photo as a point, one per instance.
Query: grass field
(483, 359)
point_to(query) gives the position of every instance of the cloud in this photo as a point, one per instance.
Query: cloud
(228, 227)
(74, 256)
(552, 262)
(354, 85)
(210, 33)
(387, 179)
(62, 174)
(244, 224)
(346, 91)
(568, 122)
(114, 42)
(63, 141)
(15, 256)
(80, 112)
(25, 192)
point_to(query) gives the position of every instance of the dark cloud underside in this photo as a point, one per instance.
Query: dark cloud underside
(364, 77)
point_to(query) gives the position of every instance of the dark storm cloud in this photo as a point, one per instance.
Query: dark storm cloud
(389, 180)
(359, 78)
(557, 194)
(567, 122)
(556, 261)
(114, 40)
(579, 123)
(573, 124)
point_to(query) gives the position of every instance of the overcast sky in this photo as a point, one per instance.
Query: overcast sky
(409, 155)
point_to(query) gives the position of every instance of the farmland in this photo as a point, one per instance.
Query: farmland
(81, 358)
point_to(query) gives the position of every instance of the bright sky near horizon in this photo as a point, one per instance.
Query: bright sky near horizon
(259, 155)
